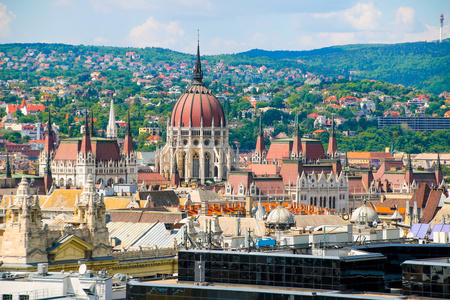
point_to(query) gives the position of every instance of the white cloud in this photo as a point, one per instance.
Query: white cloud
(153, 33)
(5, 19)
(100, 40)
(63, 3)
(362, 16)
(406, 21)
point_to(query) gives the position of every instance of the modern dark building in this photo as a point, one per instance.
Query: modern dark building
(416, 123)
(396, 254)
(427, 277)
(359, 272)
(382, 271)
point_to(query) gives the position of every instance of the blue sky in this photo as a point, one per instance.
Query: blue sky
(229, 26)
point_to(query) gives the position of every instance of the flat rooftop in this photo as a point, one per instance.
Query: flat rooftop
(173, 283)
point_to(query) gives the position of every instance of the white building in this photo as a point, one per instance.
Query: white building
(76, 158)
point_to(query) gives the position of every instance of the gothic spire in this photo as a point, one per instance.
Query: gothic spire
(128, 124)
(332, 125)
(437, 167)
(198, 72)
(86, 124)
(111, 129)
(86, 140)
(49, 143)
(92, 125)
(409, 164)
(128, 145)
(332, 143)
(49, 122)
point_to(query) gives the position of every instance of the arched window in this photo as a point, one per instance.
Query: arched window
(334, 202)
(207, 160)
(329, 202)
(315, 201)
(195, 165)
(311, 201)
(216, 171)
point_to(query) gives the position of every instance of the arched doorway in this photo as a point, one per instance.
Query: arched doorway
(110, 182)
(61, 182)
(216, 171)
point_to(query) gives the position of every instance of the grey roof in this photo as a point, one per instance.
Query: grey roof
(134, 235)
(161, 198)
(158, 236)
(127, 232)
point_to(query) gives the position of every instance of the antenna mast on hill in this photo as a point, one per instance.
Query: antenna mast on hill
(441, 19)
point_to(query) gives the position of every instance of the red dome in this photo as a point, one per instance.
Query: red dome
(197, 102)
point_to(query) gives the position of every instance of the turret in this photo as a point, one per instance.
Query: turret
(260, 150)
(86, 141)
(175, 178)
(297, 151)
(48, 180)
(128, 144)
(92, 125)
(332, 143)
(49, 142)
(438, 171)
(409, 175)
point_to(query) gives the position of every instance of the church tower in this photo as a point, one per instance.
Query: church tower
(85, 158)
(49, 147)
(111, 129)
(259, 156)
(438, 171)
(129, 155)
(24, 240)
(332, 142)
(409, 175)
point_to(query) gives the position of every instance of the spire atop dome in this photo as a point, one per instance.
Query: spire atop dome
(198, 72)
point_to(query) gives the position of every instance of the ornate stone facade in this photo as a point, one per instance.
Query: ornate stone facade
(76, 158)
(323, 190)
(27, 241)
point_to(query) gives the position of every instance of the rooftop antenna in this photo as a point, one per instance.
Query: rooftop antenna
(441, 20)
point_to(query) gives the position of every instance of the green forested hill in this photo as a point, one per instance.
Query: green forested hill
(424, 65)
